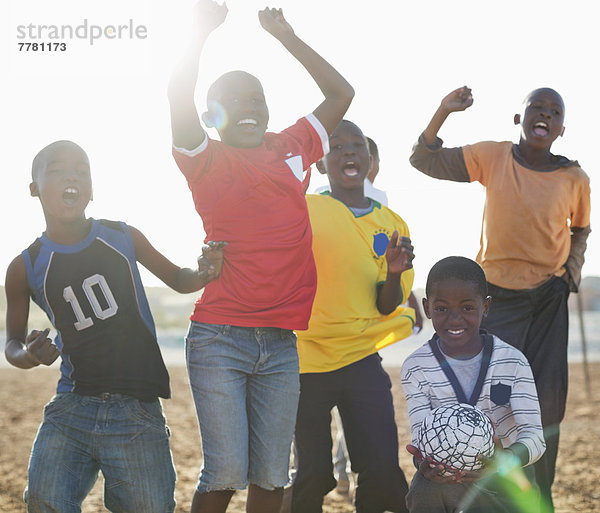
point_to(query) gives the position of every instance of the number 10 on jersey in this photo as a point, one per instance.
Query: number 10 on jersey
(100, 312)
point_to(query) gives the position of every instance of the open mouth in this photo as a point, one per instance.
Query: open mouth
(247, 123)
(350, 169)
(70, 195)
(456, 332)
(541, 129)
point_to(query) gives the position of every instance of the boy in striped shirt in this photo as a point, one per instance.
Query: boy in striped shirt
(464, 364)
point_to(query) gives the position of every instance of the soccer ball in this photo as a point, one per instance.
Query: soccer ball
(455, 436)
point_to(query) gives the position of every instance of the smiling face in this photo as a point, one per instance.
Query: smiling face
(543, 118)
(238, 110)
(348, 160)
(456, 308)
(62, 181)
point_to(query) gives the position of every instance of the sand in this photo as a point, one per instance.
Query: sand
(23, 394)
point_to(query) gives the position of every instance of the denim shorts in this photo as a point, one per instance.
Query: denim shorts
(126, 439)
(245, 384)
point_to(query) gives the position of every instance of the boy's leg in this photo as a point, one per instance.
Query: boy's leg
(427, 497)
(547, 354)
(61, 468)
(132, 446)
(272, 401)
(314, 476)
(367, 412)
(536, 322)
(512, 492)
(219, 361)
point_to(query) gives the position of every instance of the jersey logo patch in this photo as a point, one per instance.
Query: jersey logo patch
(295, 164)
(380, 243)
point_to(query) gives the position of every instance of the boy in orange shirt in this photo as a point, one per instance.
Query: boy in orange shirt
(535, 225)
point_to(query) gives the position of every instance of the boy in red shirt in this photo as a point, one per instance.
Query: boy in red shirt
(248, 188)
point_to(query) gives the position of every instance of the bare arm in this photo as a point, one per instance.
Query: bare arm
(338, 92)
(22, 350)
(428, 155)
(458, 100)
(180, 279)
(185, 121)
(399, 255)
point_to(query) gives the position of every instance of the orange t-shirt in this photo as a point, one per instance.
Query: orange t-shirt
(525, 234)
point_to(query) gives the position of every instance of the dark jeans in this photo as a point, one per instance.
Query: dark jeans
(361, 391)
(493, 493)
(536, 321)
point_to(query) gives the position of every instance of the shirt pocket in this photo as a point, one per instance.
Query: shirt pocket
(500, 394)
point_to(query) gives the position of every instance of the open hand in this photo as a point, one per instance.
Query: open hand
(209, 15)
(435, 472)
(458, 100)
(399, 254)
(40, 348)
(211, 261)
(274, 23)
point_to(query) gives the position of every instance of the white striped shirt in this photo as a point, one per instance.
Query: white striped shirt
(518, 420)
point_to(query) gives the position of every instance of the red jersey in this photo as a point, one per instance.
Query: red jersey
(253, 198)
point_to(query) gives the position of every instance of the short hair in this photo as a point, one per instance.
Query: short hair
(546, 89)
(373, 149)
(214, 91)
(459, 268)
(39, 160)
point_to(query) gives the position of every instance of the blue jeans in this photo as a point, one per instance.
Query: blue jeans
(245, 384)
(124, 438)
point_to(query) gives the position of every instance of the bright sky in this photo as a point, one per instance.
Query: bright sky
(401, 58)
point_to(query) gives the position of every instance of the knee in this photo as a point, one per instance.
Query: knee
(223, 478)
(308, 492)
(318, 483)
(147, 505)
(39, 502)
(383, 481)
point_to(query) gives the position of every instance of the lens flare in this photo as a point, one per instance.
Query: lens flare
(218, 115)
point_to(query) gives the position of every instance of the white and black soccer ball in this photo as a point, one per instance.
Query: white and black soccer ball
(456, 436)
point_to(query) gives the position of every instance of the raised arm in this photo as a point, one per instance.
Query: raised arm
(428, 155)
(180, 279)
(458, 100)
(23, 350)
(185, 121)
(338, 92)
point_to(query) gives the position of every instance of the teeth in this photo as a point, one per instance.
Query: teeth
(248, 121)
(455, 332)
(541, 124)
(71, 190)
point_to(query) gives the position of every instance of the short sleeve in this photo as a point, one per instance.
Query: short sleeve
(309, 137)
(477, 160)
(193, 163)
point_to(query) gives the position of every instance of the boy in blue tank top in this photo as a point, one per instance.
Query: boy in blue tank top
(106, 415)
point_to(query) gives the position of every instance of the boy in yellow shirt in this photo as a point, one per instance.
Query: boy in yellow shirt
(364, 259)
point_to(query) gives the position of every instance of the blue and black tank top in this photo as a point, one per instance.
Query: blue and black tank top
(93, 295)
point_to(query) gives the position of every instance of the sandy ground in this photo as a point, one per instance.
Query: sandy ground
(23, 394)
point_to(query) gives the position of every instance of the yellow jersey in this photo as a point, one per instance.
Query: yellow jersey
(345, 325)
